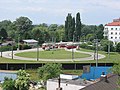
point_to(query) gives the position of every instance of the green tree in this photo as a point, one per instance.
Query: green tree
(40, 33)
(3, 33)
(118, 47)
(104, 45)
(49, 71)
(69, 27)
(78, 26)
(8, 84)
(89, 37)
(22, 81)
(100, 32)
(23, 25)
(116, 70)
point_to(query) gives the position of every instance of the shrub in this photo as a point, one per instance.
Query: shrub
(7, 48)
(24, 46)
(9, 84)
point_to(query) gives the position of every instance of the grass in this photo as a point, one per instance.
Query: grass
(114, 57)
(7, 60)
(56, 54)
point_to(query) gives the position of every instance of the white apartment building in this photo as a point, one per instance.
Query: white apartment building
(112, 31)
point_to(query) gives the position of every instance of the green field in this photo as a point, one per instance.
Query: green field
(56, 54)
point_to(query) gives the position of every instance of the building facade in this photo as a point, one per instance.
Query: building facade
(112, 31)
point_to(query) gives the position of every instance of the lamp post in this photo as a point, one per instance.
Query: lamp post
(72, 47)
(12, 49)
(97, 52)
(38, 50)
(1, 46)
(18, 41)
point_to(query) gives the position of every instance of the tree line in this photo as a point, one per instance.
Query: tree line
(23, 28)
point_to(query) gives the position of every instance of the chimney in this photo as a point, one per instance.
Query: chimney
(59, 88)
(103, 77)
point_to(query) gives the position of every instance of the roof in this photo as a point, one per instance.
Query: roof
(102, 85)
(74, 82)
(113, 24)
(30, 40)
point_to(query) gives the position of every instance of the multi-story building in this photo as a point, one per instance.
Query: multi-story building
(112, 31)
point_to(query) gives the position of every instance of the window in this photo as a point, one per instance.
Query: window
(111, 37)
(116, 33)
(115, 37)
(106, 28)
(111, 28)
(111, 32)
(115, 28)
(119, 37)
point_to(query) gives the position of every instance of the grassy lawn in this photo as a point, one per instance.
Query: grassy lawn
(7, 60)
(56, 54)
(114, 57)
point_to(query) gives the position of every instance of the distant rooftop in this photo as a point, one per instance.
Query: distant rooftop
(30, 40)
(116, 22)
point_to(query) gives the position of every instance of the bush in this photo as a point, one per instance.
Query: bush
(24, 46)
(118, 47)
(7, 48)
(9, 84)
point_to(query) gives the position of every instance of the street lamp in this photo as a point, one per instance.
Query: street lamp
(96, 51)
(1, 46)
(38, 50)
(12, 49)
(18, 41)
(73, 47)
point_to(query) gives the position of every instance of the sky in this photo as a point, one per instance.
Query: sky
(92, 12)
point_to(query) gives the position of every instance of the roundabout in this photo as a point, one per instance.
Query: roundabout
(88, 55)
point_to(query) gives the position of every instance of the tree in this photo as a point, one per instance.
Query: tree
(89, 37)
(40, 33)
(22, 81)
(69, 27)
(104, 44)
(3, 33)
(23, 25)
(100, 32)
(78, 26)
(118, 47)
(116, 70)
(49, 71)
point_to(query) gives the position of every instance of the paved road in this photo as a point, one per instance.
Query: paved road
(8, 54)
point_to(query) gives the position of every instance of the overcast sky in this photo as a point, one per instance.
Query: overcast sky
(54, 11)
